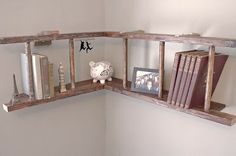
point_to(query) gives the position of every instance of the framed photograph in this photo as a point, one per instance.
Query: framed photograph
(145, 80)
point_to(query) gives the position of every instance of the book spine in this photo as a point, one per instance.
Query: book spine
(173, 77)
(178, 80)
(37, 77)
(188, 81)
(44, 76)
(193, 82)
(51, 80)
(24, 73)
(183, 80)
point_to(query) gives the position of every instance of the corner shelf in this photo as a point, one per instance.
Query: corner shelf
(117, 86)
(211, 110)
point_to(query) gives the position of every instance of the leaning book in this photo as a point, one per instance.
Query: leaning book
(40, 76)
(197, 88)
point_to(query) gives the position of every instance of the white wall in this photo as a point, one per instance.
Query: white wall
(130, 127)
(136, 128)
(73, 126)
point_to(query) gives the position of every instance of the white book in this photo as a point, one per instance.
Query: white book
(38, 90)
(25, 73)
(40, 76)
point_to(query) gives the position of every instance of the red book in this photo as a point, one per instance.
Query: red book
(173, 76)
(197, 89)
(183, 79)
(189, 76)
(178, 79)
(188, 81)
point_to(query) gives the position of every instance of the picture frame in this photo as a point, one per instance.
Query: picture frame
(145, 80)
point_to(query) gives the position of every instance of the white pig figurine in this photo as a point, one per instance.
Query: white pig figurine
(101, 71)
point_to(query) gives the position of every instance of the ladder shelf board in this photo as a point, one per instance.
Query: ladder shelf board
(32, 38)
(191, 39)
(184, 38)
(116, 85)
(82, 87)
(214, 114)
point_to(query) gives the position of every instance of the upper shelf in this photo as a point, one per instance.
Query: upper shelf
(23, 39)
(220, 42)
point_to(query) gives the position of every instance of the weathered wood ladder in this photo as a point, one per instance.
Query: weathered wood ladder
(124, 88)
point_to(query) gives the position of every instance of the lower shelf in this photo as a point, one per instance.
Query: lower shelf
(80, 88)
(116, 85)
(214, 114)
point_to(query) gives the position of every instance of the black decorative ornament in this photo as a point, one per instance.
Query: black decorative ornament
(85, 46)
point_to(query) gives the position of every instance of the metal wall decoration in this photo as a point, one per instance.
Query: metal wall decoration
(15, 96)
(85, 46)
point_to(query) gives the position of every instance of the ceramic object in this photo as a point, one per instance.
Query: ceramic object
(101, 71)
(61, 73)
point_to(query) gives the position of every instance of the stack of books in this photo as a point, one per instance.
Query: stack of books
(42, 76)
(188, 79)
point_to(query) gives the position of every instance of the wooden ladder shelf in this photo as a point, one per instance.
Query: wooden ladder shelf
(211, 110)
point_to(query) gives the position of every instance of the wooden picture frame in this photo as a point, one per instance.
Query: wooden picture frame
(145, 80)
